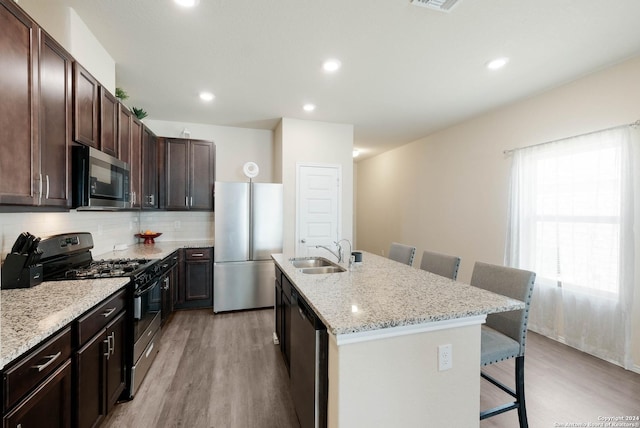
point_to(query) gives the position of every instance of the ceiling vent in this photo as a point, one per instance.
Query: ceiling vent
(441, 5)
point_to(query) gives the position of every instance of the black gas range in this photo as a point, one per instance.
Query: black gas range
(68, 257)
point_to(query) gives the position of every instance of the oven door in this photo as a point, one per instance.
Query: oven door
(147, 301)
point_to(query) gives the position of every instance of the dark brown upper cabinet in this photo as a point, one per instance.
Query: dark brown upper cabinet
(108, 123)
(86, 93)
(135, 174)
(55, 122)
(149, 163)
(19, 163)
(35, 113)
(189, 174)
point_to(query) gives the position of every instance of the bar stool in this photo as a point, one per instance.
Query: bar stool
(402, 253)
(440, 264)
(504, 334)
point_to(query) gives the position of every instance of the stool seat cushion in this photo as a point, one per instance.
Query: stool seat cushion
(496, 346)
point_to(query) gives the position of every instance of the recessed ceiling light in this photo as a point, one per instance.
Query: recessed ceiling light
(187, 3)
(309, 107)
(207, 96)
(331, 65)
(497, 63)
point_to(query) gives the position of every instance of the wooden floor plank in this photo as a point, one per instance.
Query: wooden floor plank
(224, 371)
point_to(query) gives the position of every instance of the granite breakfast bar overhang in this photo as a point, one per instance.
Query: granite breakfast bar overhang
(385, 322)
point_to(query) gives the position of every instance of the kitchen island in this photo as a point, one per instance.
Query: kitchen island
(385, 321)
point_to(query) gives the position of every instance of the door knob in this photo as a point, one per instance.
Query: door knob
(303, 240)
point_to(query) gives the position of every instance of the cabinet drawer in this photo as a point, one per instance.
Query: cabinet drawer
(197, 253)
(97, 318)
(36, 366)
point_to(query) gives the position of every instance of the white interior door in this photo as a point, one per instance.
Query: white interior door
(318, 208)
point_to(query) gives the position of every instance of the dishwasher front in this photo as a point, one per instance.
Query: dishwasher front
(309, 364)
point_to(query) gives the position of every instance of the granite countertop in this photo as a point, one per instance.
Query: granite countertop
(159, 250)
(380, 293)
(30, 315)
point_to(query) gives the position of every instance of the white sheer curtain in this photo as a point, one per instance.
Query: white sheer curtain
(571, 221)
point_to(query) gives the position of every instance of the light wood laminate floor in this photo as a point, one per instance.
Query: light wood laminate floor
(224, 371)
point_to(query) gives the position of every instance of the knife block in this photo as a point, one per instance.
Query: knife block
(16, 274)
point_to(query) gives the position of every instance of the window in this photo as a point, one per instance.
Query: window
(571, 221)
(575, 216)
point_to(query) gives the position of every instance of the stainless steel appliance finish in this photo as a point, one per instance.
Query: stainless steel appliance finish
(309, 364)
(100, 181)
(248, 229)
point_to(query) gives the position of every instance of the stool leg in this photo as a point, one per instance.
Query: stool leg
(522, 410)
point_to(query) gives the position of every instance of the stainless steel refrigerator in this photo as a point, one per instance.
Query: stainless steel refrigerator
(248, 229)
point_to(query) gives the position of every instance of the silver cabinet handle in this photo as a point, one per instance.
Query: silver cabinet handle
(108, 343)
(51, 358)
(191, 201)
(47, 176)
(108, 312)
(186, 201)
(151, 199)
(197, 255)
(112, 341)
(40, 187)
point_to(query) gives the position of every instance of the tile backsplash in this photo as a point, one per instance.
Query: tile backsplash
(107, 227)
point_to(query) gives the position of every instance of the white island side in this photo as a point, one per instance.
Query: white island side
(385, 321)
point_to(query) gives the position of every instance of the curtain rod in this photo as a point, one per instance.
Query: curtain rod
(508, 152)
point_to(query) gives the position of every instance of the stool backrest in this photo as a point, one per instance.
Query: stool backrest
(510, 282)
(402, 253)
(440, 264)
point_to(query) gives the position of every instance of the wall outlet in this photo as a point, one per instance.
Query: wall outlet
(445, 357)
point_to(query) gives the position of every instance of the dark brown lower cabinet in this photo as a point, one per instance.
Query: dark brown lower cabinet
(100, 373)
(195, 287)
(49, 405)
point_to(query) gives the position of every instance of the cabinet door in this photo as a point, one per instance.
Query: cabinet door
(85, 107)
(108, 123)
(116, 342)
(199, 281)
(55, 121)
(177, 174)
(90, 394)
(149, 170)
(196, 279)
(19, 167)
(51, 401)
(124, 134)
(136, 163)
(202, 175)
(168, 293)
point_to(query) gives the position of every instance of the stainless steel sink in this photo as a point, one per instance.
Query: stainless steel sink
(316, 265)
(311, 262)
(323, 269)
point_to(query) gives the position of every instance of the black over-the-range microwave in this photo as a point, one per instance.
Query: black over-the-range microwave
(100, 181)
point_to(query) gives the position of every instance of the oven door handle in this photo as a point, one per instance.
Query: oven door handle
(140, 291)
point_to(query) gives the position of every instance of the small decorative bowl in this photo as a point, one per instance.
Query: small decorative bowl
(148, 237)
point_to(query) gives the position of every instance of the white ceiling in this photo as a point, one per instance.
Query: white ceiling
(406, 70)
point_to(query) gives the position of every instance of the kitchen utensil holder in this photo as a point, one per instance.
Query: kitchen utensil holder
(17, 274)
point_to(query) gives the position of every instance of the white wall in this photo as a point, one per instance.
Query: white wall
(68, 29)
(314, 142)
(234, 147)
(448, 192)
